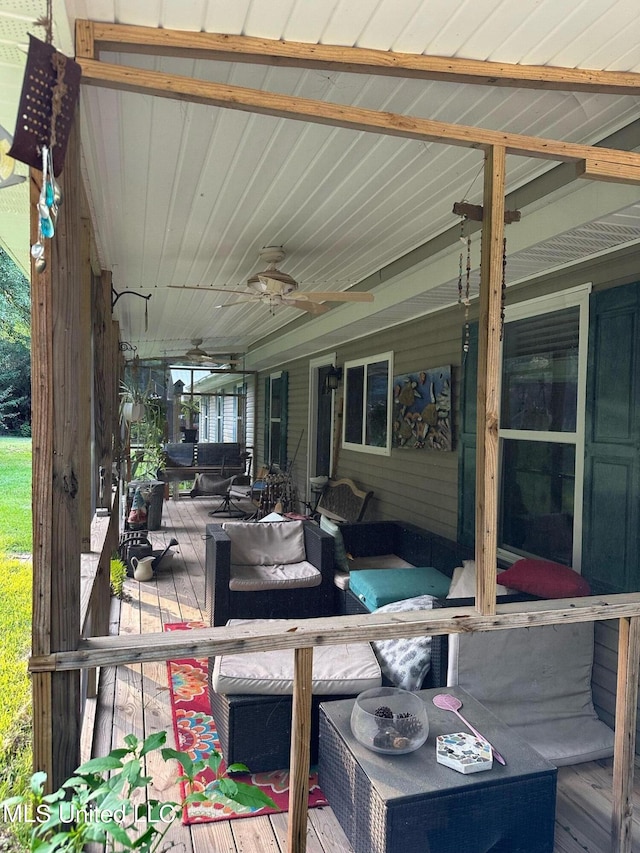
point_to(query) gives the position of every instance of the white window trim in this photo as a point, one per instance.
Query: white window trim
(572, 297)
(272, 420)
(312, 419)
(363, 362)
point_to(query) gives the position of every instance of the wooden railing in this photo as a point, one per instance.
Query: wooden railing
(95, 569)
(303, 635)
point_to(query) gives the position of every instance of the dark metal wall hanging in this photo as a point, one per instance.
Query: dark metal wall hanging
(47, 103)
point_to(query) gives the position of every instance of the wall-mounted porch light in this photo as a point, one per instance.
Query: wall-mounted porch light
(332, 379)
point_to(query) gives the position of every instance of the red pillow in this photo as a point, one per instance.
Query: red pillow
(546, 579)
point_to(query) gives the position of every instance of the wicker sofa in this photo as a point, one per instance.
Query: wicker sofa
(408, 543)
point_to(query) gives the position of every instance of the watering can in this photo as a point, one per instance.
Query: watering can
(142, 568)
(158, 555)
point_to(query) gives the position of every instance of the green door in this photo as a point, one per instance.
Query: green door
(612, 442)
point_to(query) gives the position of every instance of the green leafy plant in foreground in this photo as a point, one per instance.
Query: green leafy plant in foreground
(117, 575)
(99, 803)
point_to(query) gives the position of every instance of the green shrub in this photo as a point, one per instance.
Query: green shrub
(99, 804)
(117, 575)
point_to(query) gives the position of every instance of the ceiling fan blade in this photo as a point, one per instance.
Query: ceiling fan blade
(238, 302)
(309, 307)
(207, 289)
(335, 296)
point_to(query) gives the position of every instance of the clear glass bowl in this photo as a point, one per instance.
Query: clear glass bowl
(390, 720)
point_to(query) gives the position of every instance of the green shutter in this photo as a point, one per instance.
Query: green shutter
(611, 515)
(284, 418)
(467, 441)
(266, 451)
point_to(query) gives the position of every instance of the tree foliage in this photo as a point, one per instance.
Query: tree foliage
(15, 348)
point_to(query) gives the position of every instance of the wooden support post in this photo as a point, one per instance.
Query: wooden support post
(625, 734)
(102, 395)
(85, 478)
(488, 379)
(300, 751)
(56, 533)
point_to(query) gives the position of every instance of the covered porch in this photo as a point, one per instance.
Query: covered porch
(135, 698)
(107, 242)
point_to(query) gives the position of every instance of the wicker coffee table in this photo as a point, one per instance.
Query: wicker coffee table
(411, 804)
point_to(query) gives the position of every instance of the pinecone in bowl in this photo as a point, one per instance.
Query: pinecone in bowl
(383, 714)
(408, 725)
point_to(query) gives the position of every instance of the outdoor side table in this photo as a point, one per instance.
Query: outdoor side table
(411, 804)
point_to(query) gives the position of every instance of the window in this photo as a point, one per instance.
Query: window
(219, 421)
(238, 411)
(541, 436)
(367, 409)
(275, 420)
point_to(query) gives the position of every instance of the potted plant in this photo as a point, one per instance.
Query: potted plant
(103, 801)
(132, 402)
(190, 410)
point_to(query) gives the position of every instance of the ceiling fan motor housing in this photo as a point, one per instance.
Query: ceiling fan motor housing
(272, 280)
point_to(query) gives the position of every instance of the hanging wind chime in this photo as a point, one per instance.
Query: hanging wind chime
(464, 298)
(474, 212)
(48, 205)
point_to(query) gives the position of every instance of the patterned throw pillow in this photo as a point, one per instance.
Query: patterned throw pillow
(406, 661)
(339, 552)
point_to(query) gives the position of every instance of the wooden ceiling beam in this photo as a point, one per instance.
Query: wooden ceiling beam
(98, 36)
(164, 85)
(597, 168)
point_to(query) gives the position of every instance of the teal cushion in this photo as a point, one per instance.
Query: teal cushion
(377, 587)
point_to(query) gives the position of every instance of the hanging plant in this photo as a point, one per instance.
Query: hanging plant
(132, 403)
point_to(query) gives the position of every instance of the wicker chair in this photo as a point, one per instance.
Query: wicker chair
(224, 602)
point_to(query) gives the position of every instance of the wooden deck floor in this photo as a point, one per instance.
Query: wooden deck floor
(136, 699)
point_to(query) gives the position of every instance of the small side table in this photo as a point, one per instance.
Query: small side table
(410, 803)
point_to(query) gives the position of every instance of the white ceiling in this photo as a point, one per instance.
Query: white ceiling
(188, 194)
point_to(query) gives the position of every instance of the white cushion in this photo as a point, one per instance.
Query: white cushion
(266, 544)
(342, 669)
(278, 576)
(407, 660)
(538, 680)
(463, 582)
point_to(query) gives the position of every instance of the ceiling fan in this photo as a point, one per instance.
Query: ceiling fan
(197, 355)
(274, 287)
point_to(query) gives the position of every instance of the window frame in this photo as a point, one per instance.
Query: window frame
(536, 307)
(362, 446)
(282, 420)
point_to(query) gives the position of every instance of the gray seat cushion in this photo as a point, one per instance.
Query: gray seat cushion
(266, 544)
(538, 680)
(341, 670)
(276, 576)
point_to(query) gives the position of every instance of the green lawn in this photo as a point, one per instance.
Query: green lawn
(15, 495)
(15, 617)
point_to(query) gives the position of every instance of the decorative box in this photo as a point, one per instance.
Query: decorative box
(464, 752)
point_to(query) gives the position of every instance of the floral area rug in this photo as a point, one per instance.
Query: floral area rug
(195, 732)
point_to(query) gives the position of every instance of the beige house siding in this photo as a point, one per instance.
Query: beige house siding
(420, 486)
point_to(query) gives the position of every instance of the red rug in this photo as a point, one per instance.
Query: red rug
(195, 733)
